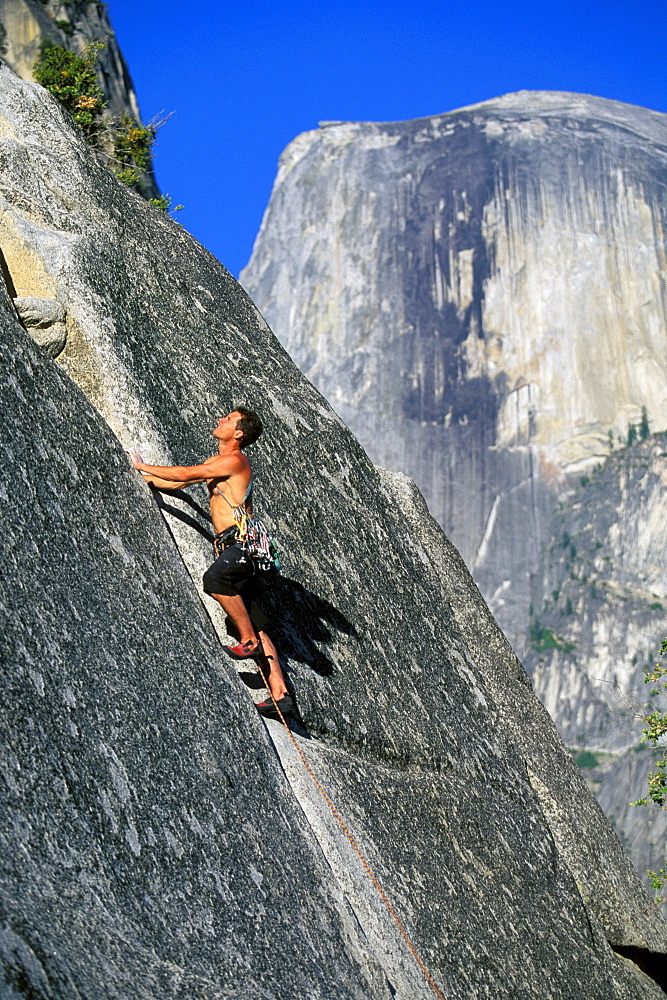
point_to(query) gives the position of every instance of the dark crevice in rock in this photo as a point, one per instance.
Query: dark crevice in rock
(651, 963)
(6, 273)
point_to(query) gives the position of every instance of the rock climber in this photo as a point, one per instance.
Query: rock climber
(232, 580)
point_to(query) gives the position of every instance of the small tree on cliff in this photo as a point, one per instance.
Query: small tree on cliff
(73, 81)
(125, 143)
(655, 732)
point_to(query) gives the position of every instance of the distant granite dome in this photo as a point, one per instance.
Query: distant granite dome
(159, 841)
(481, 296)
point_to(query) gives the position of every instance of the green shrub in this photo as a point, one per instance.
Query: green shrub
(66, 27)
(586, 759)
(655, 732)
(542, 638)
(164, 203)
(72, 80)
(132, 149)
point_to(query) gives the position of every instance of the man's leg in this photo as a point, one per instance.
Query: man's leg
(269, 665)
(235, 609)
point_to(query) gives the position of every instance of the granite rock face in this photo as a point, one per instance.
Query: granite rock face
(481, 296)
(158, 839)
(599, 616)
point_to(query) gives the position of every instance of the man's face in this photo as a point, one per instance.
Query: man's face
(225, 429)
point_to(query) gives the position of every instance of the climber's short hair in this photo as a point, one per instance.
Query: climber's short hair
(250, 424)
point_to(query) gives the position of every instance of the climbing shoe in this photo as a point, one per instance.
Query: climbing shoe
(245, 650)
(268, 707)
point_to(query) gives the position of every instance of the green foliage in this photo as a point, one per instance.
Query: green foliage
(164, 203)
(632, 435)
(72, 80)
(542, 638)
(132, 149)
(644, 429)
(655, 731)
(586, 759)
(568, 607)
(610, 437)
(66, 27)
(584, 480)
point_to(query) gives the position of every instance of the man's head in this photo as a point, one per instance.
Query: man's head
(250, 424)
(241, 424)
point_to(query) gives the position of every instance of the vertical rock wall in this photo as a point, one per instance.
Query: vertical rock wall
(151, 844)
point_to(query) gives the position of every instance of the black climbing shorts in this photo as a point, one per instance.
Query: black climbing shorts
(234, 574)
(229, 573)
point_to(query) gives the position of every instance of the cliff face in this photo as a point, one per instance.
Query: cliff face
(599, 615)
(481, 296)
(158, 839)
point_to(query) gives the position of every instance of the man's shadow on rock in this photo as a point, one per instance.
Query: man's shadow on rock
(299, 619)
(181, 515)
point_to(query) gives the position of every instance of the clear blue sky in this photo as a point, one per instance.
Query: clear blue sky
(245, 78)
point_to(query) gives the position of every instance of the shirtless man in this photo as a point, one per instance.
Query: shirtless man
(228, 476)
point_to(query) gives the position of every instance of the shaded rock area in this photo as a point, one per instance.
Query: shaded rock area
(24, 24)
(151, 842)
(481, 296)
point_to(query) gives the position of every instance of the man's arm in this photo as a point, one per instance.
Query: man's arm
(166, 484)
(217, 467)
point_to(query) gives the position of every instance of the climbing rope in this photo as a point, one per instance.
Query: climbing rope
(355, 847)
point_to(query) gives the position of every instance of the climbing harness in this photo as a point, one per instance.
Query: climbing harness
(355, 847)
(253, 536)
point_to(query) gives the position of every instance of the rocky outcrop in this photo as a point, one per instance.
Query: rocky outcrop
(25, 24)
(44, 321)
(153, 843)
(451, 285)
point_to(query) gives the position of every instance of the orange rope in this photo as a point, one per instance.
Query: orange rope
(427, 975)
